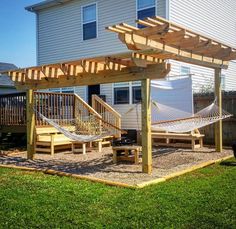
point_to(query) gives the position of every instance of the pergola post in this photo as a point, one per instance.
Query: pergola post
(218, 125)
(146, 127)
(30, 116)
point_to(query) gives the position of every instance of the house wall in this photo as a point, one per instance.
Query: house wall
(214, 18)
(60, 31)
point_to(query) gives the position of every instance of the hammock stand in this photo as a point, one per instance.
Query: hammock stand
(178, 132)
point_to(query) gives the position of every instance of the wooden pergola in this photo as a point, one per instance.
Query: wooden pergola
(149, 47)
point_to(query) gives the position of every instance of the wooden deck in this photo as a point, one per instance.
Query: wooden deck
(62, 106)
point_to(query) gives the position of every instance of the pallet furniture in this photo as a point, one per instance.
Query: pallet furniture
(193, 140)
(49, 139)
(126, 153)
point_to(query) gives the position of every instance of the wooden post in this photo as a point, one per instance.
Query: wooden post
(52, 144)
(30, 124)
(146, 127)
(218, 125)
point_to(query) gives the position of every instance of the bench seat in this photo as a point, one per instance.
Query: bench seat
(192, 140)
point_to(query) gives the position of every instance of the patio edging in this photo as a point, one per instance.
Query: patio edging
(114, 183)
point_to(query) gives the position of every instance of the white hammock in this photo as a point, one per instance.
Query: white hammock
(185, 122)
(72, 128)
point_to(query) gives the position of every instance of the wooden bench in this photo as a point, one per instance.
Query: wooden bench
(49, 139)
(195, 139)
(126, 153)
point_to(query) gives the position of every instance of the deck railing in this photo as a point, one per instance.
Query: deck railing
(109, 116)
(59, 106)
(63, 107)
(13, 109)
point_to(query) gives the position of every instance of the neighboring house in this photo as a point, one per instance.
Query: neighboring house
(6, 84)
(73, 29)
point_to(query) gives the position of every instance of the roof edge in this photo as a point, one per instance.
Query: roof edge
(44, 5)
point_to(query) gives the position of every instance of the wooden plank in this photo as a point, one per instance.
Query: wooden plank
(30, 116)
(218, 125)
(146, 127)
(45, 150)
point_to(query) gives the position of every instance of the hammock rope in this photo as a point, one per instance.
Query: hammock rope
(80, 129)
(186, 122)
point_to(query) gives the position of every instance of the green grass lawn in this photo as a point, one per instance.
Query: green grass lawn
(205, 198)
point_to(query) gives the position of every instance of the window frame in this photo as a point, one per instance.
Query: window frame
(132, 88)
(222, 81)
(130, 85)
(137, 10)
(82, 20)
(185, 66)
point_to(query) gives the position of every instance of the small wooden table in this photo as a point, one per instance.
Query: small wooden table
(125, 153)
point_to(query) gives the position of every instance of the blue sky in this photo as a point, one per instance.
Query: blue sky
(17, 33)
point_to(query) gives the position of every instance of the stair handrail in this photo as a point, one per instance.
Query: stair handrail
(91, 109)
(107, 108)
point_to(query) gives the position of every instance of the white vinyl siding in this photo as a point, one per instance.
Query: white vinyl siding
(60, 30)
(60, 34)
(215, 18)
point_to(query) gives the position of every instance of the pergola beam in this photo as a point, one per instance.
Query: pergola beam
(108, 76)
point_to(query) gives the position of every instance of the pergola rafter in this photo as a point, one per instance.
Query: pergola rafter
(118, 68)
(167, 40)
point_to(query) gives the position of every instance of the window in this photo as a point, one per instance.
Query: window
(63, 90)
(57, 90)
(89, 21)
(184, 70)
(136, 92)
(222, 81)
(145, 8)
(121, 93)
(127, 93)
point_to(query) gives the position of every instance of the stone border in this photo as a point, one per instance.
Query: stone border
(114, 183)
